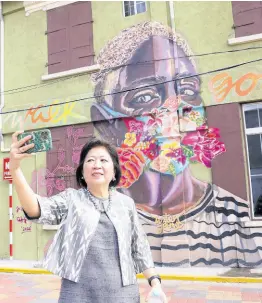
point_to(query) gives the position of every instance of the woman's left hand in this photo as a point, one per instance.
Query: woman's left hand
(157, 291)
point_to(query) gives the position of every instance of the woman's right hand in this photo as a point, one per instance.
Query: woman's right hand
(17, 150)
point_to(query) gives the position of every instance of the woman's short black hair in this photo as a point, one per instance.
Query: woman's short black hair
(94, 142)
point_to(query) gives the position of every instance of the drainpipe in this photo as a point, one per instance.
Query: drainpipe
(172, 15)
(173, 27)
(2, 96)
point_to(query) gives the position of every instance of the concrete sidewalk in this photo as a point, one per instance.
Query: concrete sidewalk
(20, 288)
(209, 274)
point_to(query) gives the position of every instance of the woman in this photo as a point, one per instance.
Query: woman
(100, 244)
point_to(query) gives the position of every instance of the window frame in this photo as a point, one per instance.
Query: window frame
(251, 131)
(135, 6)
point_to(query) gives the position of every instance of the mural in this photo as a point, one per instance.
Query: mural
(158, 124)
(153, 112)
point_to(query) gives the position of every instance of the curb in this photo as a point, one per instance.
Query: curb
(35, 271)
(220, 279)
(210, 279)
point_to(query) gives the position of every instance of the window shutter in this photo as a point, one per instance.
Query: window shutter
(55, 159)
(227, 118)
(63, 159)
(247, 17)
(81, 34)
(58, 39)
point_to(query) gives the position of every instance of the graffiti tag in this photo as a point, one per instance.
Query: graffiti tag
(26, 226)
(221, 84)
(54, 114)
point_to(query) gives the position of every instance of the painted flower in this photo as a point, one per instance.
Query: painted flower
(161, 164)
(206, 145)
(132, 163)
(155, 118)
(194, 115)
(67, 169)
(170, 125)
(187, 125)
(152, 151)
(134, 126)
(61, 155)
(130, 139)
(174, 151)
(142, 145)
(60, 184)
(40, 183)
(69, 131)
(169, 147)
(77, 133)
(76, 154)
(201, 123)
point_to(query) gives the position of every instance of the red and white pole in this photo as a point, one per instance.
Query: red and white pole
(11, 219)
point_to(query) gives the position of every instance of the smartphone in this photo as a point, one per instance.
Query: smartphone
(41, 138)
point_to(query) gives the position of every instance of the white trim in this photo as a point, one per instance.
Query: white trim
(255, 223)
(248, 165)
(250, 106)
(34, 6)
(50, 227)
(81, 70)
(123, 8)
(257, 130)
(244, 39)
(254, 131)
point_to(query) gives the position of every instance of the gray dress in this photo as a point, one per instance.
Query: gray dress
(100, 279)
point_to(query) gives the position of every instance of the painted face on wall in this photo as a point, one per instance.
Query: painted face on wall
(149, 120)
(154, 63)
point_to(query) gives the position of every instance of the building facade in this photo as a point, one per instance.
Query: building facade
(175, 86)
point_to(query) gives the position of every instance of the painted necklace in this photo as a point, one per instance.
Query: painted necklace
(96, 204)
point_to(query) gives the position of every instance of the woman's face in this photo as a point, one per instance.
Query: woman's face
(98, 168)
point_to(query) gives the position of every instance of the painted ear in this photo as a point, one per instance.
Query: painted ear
(110, 129)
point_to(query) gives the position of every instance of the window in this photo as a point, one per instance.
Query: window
(247, 17)
(134, 7)
(70, 37)
(253, 130)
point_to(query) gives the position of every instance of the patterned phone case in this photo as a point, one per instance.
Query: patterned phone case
(41, 138)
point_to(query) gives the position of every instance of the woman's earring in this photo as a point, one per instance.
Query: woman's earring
(82, 178)
(114, 178)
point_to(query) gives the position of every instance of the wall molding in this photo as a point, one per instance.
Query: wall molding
(71, 72)
(244, 39)
(34, 6)
(254, 223)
